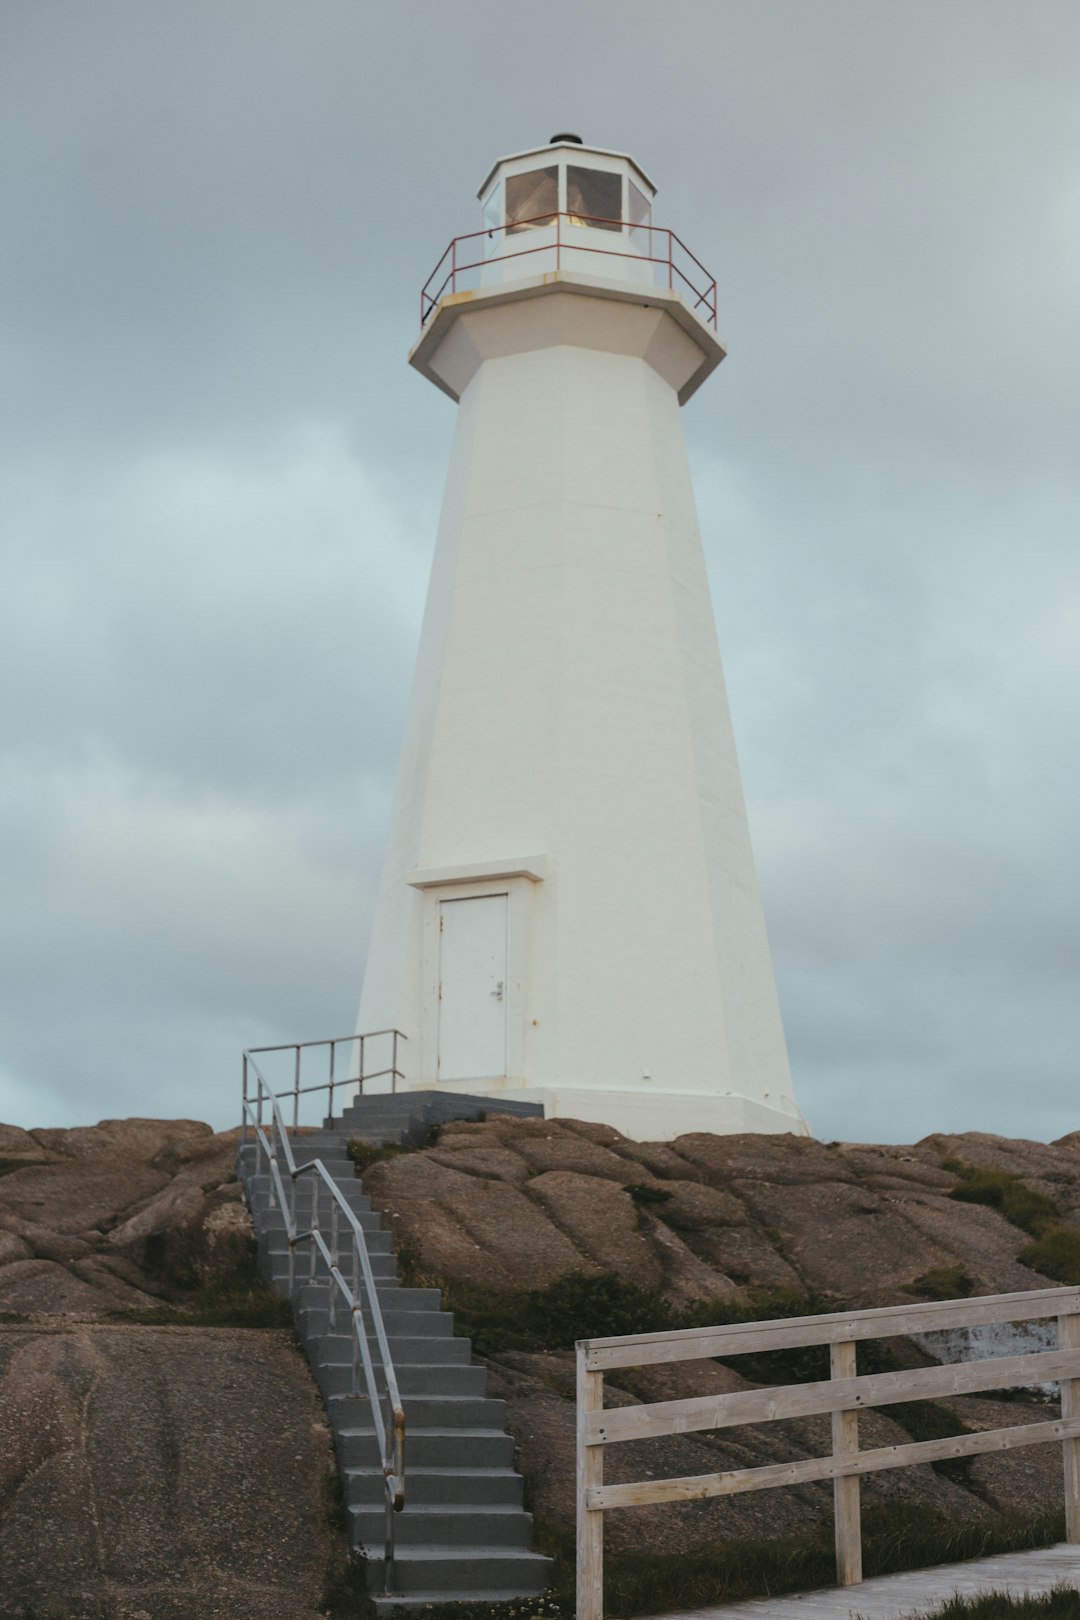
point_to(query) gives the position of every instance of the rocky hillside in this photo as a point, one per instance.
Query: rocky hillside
(162, 1450)
(152, 1466)
(757, 1225)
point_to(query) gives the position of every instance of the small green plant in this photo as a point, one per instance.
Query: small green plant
(643, 1194)
(364, 1153)
(1063, 1603)
(942, 1282)
(12, 1318)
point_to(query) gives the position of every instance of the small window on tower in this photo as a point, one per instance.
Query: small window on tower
(594, 198)
(531, 199)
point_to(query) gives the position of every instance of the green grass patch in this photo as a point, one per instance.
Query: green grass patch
(1056, 1253)
(1063, 1603)
(1031, 1211)
(896, 1537)
(935, 1420)
(588, 1305)
(364, 1154)
(942, 1282)
(237, 1297)
(12, 1318)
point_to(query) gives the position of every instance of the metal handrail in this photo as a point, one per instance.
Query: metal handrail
(446, 276)
(390, 1436)
(296, 1090)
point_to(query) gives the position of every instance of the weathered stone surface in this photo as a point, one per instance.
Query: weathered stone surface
(475, 1230)
(19, 1144)
(87, 1196)
(498, 1163)
(137, 1139)
(181, 1473)
(862, 1222)
(602, 1222)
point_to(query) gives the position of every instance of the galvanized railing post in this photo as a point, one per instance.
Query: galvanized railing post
(296, 1091)
(330, 1109)
(333, 1258)
(393, 1066)
(360, 1071)
(243, 1110)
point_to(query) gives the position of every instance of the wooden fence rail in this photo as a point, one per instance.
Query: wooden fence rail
(841, 1396)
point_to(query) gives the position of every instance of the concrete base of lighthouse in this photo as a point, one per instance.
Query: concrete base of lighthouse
(658, 1115)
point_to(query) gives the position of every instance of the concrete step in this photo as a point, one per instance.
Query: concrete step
(422, 1411)
(460, 1569)
(463, 1533)
(438, 1486)
(410, 1323)
(426, 1348)
(262, 1190)
(423, 1524)
(418, 1378)
(432, 1447)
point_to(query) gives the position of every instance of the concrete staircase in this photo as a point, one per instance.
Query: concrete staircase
(463, 1533)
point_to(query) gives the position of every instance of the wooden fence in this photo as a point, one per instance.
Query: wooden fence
(842, 1396)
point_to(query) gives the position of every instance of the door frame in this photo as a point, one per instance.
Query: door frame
(518, 892)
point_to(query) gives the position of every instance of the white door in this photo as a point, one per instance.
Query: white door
(472, 988)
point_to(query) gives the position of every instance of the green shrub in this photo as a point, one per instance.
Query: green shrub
(237, 1297)
(942, 1282)
(1056, 1253)
(643, 1194)
(1031, 1211)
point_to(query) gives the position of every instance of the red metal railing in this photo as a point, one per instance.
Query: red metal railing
(673, 264)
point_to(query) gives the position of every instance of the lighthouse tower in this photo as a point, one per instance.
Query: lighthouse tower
(568, 910)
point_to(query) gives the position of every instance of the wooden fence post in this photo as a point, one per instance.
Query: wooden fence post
(590, 1472)
(1069, 1339)
(846, 1508)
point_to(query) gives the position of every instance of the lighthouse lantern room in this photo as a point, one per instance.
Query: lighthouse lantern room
(568, 910)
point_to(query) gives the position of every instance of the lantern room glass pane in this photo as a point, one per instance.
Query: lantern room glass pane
(493, 209)
(594, 198)
(639, 213)
(531, 199)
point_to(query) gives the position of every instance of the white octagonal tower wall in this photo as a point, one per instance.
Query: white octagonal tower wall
(568, 908)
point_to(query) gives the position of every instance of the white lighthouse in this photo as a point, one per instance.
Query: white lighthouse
(568, 910)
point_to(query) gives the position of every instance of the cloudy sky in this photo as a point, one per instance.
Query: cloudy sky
(219, 484)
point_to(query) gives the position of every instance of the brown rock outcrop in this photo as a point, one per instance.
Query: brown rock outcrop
(508, 1203)
(91, 1218)
(164, 1471)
